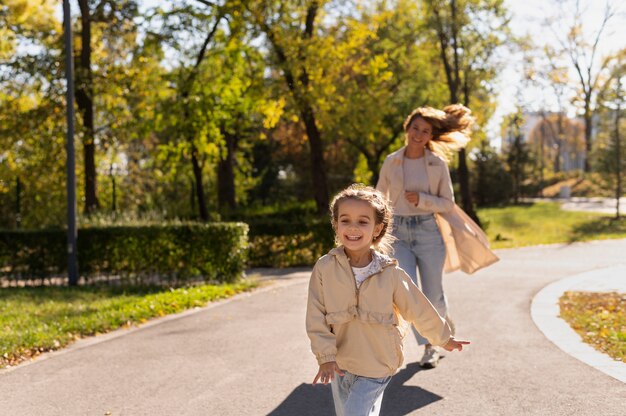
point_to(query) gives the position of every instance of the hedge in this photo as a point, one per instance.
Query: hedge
(170, 254)
(285, 243)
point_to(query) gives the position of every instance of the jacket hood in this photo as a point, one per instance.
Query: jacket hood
(380, 259)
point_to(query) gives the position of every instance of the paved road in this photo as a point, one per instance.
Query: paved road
(597, 204)
(250, 356)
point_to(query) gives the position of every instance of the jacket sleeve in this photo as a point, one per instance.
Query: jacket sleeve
(383, 179)
(417, 309)
(443, 202)
(323, 343)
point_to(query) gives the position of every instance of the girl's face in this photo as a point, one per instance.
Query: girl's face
(419, 133)
(356, 226)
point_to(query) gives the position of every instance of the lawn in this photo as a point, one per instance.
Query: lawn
(546, 223)
(599, 318)
(38, 319)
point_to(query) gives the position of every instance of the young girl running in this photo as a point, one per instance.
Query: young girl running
(358, 302)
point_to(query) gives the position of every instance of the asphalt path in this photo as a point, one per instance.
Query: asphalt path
(250, 356)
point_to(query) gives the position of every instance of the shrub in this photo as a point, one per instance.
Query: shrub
(279, 243)
(170, 254)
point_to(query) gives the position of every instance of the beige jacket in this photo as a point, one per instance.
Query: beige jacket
(467, 246)
(362, 329)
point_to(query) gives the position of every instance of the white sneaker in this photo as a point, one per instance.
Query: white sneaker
(430, 358)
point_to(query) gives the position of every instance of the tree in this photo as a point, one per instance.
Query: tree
(384, 72)
(290, 30)
(517, 153)
(32, 125)
(582, 55)
(611, 158)
(492, 183)
(112, 16)
(468, 33)
(543, 68)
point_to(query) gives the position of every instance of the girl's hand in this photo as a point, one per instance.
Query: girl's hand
(454, 344)
(412, 197)
(327, 372)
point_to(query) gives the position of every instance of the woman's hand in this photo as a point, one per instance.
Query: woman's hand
(327, 371)
(454, 344)
(412, 197)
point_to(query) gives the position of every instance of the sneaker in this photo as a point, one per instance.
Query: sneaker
(430, 358)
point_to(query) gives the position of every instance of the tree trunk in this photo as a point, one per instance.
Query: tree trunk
(299, 93)
(464, 179)
(226, 175)
(588, 119)
(318, 168)
(84, 99)
(197, 173)
(372, 165)
(618, 151)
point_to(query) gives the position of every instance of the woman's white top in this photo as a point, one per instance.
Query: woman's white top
(415, 180)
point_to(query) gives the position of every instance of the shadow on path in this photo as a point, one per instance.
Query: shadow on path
(306, 400)
(398, 400)
(401, 400)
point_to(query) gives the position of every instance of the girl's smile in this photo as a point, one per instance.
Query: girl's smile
(356, 228)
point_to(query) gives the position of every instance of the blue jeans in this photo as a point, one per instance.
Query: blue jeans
(419, 245)
(358, 396)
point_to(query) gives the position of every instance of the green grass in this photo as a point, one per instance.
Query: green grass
(546, 223)
(599, 318)
(38, 319)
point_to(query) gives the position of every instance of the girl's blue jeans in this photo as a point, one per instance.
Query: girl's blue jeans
(358, 396)
(419, 245)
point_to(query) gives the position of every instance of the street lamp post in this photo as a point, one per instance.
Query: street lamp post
(72, 266)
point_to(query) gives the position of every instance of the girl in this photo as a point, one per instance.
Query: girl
(430, 230)
(356, 297)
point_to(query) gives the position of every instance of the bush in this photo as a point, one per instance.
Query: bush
(170, 254)
(491, 183)
(284, 243)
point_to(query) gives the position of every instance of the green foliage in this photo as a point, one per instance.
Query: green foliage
(286, 234)
(207, 78)
(285, 243)
(39, 319)
(490, 180)
(139, 254)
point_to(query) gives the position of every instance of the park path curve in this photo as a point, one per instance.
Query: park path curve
(250, 356)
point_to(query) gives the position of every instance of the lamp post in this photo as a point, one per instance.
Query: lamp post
(72, 266)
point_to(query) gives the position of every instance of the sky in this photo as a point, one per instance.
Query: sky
(528, 18)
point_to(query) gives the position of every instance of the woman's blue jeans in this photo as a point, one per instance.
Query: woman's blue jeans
(419, 245)
(358, 396)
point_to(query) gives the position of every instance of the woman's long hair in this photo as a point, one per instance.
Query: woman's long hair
(451, 127)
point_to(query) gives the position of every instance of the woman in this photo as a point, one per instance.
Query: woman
(431, 231)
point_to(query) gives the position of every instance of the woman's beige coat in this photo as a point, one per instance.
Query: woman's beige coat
(467, 246)
(362, 328)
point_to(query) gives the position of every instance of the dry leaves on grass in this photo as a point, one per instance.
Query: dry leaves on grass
(599, 318)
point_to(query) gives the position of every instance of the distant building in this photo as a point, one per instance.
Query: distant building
(555, 137)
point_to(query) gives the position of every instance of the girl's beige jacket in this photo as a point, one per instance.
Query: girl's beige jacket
(362, 329)
(467, 246)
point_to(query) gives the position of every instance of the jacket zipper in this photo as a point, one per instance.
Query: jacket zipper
(357, 291)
